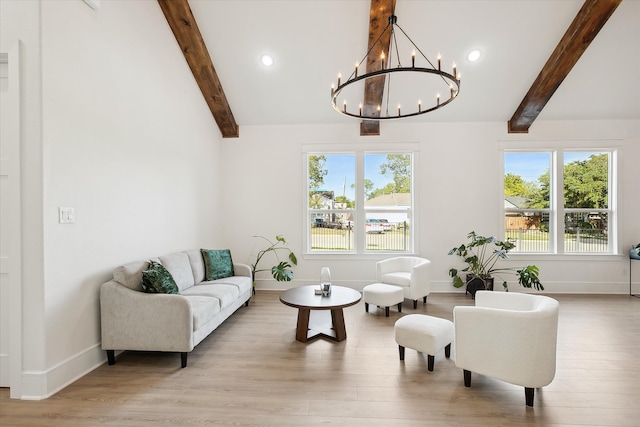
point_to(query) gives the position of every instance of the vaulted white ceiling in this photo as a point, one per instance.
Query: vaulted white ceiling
(312, 41)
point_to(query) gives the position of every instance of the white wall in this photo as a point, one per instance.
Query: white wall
(458, 190)
(119, 131)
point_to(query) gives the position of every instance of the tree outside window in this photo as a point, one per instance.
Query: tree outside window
(359, 209)
(583, 205)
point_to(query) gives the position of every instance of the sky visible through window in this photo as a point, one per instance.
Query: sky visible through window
(531, 165)
(341, 173)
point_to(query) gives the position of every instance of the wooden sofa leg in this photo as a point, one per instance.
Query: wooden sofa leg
(528, 395)
(111, 357)
(400, 308)
(415, 304)
(447, 351)
(366, 307)
(430, 360)
(183, 359)
(467, 378)
(386, 311)
(401, 351)
(424, 299)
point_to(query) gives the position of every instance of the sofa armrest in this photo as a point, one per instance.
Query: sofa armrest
(421, 274)
(133, 320)
(241, 270)
(388, 265)
(510, 345)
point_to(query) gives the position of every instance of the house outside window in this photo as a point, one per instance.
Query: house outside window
(359, 202)
(560, 201)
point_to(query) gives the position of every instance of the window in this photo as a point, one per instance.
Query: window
(559, 201)
(359, 202)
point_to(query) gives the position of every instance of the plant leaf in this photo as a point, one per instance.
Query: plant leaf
(457, 282)
(293, 258)
(281, 272)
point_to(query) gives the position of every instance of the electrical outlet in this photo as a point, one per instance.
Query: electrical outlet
(66, 215)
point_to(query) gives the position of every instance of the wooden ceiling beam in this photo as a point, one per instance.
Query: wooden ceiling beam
(584, 28)
(185, 29)
(379, 13)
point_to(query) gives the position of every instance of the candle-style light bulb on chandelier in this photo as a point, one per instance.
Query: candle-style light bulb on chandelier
(409, 80)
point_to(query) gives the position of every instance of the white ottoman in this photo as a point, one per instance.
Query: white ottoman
(383, 295)
(426, 334)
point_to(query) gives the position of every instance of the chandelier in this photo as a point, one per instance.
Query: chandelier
(418, 88)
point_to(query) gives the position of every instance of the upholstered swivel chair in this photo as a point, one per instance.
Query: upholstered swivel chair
(412, 274)
(510, 337)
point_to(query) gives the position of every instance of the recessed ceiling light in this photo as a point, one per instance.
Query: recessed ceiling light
(474, 55)
(267, 60)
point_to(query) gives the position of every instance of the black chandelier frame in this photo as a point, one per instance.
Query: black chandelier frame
(451, 80)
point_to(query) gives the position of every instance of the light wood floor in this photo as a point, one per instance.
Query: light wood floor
(251, 371)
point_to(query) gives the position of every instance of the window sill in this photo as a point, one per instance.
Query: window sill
(354, 256)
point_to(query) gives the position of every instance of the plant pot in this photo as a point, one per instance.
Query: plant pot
(475, 284)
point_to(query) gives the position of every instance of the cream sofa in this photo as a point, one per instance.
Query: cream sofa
(135, 320)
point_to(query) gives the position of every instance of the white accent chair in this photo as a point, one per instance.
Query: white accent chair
(412, 274)
(510, 337)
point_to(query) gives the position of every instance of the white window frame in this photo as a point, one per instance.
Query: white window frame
(359, 150)
(557, 210)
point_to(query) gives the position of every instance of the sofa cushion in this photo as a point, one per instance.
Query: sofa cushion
(227, 294)
(197, 265)
(180, 268)
(398, 278)
(217, 263)
(157, 279)
(243, 283)
(203, 309)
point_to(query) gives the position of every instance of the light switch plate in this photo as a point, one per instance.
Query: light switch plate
(66, 215)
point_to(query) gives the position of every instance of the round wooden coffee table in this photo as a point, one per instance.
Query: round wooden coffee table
(304, 299)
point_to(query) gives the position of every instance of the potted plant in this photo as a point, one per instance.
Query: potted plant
(282, 271)
(481, 254)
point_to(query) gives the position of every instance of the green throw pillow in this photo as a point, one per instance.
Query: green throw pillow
(217, 264)
(157, 280)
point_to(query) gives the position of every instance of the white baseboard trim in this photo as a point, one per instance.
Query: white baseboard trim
(39, 385)
(5, 380)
